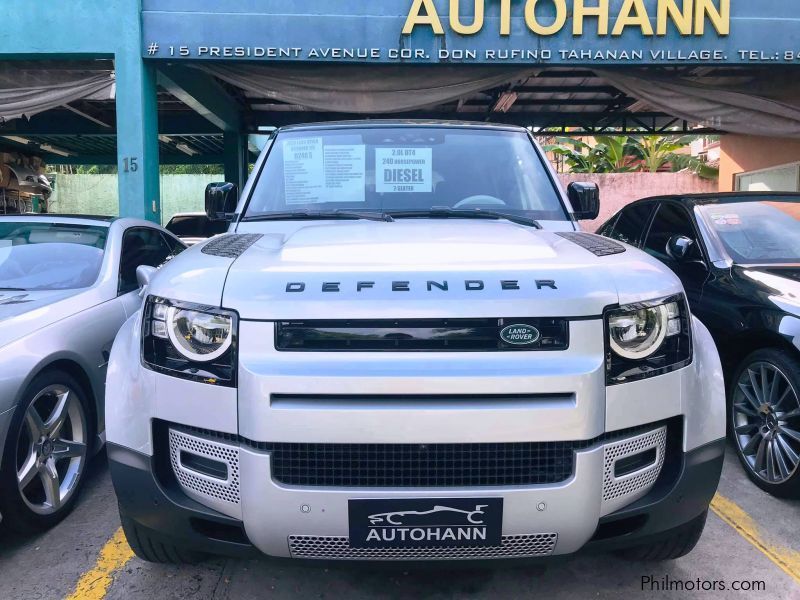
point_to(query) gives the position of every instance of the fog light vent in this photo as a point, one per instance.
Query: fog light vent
(206, 470)
(631, 467)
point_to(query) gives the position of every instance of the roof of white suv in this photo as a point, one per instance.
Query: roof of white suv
(378, 123)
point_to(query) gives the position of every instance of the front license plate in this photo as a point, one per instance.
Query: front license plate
(463, 522)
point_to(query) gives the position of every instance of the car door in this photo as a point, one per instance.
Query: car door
(142, 246)
(673, 219)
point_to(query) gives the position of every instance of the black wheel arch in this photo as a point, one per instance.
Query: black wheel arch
(736, 348)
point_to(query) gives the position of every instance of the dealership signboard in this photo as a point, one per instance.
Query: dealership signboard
(563, 32)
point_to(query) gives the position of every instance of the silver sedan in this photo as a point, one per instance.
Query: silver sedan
(67, 284)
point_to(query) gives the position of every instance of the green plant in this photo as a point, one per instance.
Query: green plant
(657, 151)
(580, 157)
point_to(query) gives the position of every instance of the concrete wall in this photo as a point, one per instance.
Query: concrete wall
(742, 153)
(98, 194)
(619, 189)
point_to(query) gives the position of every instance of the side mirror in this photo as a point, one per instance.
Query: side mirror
(679, 247)
(585, 200)
(144, 275)
(221, 201)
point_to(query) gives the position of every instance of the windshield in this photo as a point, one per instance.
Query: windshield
(50, 256)
(757, 232)
(405, 169)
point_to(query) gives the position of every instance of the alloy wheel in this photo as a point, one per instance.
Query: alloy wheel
(51, 449)
(766, 421)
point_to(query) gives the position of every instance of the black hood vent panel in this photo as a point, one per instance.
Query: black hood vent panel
(597, 245)
(232, 245)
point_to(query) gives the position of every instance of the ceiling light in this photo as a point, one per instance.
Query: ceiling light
(186, 149)
(17, 139)
(55, 150)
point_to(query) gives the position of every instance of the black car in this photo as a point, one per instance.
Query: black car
(738, 256)
(193, 228)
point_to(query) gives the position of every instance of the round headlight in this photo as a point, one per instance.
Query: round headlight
(199, 336)
(638, 334)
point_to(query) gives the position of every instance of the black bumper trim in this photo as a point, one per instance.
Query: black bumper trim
(167, 510)
(665, 507)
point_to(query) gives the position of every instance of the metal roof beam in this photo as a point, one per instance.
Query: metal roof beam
(63, 122)
(111, 159)
(203, 94)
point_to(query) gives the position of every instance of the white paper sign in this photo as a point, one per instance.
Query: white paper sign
(345, 173)
(403, 170)
(303, 171)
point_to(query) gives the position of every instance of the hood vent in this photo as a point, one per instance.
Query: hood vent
(597, 245)
(19, 299)
(232, 245)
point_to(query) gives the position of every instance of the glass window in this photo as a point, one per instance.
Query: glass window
(195, 226)
(175, 245)
(757, 232)
(140, 246)
(405, 169)
(670, 220)
(50, 256)
(630, 227)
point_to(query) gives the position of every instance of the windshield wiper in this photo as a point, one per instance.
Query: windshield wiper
(309, 215)
(445, 212)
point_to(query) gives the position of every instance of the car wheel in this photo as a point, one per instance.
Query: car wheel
(45, 453)
(764, 417)
(156, 548)
(671, 545)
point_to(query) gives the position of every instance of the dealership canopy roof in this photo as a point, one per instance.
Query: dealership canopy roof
(556, 100)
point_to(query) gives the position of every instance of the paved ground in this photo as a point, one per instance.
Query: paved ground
(750, 536)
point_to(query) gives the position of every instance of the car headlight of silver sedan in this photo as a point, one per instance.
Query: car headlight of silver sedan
(647, 339)
(190, 341)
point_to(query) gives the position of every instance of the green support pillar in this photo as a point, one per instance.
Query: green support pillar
(236, 158)
(137, 139)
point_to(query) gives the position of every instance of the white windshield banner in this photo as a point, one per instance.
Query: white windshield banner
(303, 171)
(345, 173)
(403, 170)
(314, 173)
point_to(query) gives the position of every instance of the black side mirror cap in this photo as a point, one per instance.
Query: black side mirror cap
(585, 200)
(679, 247)
(221, 201)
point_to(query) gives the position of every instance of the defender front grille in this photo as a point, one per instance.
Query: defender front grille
(418, 335)
(338, 548)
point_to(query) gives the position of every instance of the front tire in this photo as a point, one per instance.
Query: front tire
(764, 419)
(674, 544)
(45, 454)
(155, 548)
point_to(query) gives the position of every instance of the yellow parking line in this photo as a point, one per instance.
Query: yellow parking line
(786, 559)
(94, 584)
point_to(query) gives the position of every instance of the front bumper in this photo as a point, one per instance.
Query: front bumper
(447, 399)
(307, 522)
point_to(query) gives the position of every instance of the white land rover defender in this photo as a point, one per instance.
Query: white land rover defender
(404, 349)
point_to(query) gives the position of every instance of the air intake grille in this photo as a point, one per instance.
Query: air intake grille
(423, 465)
(414, 466)
(333, 548)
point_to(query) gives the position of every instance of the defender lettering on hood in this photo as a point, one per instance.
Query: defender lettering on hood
(470, 285)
